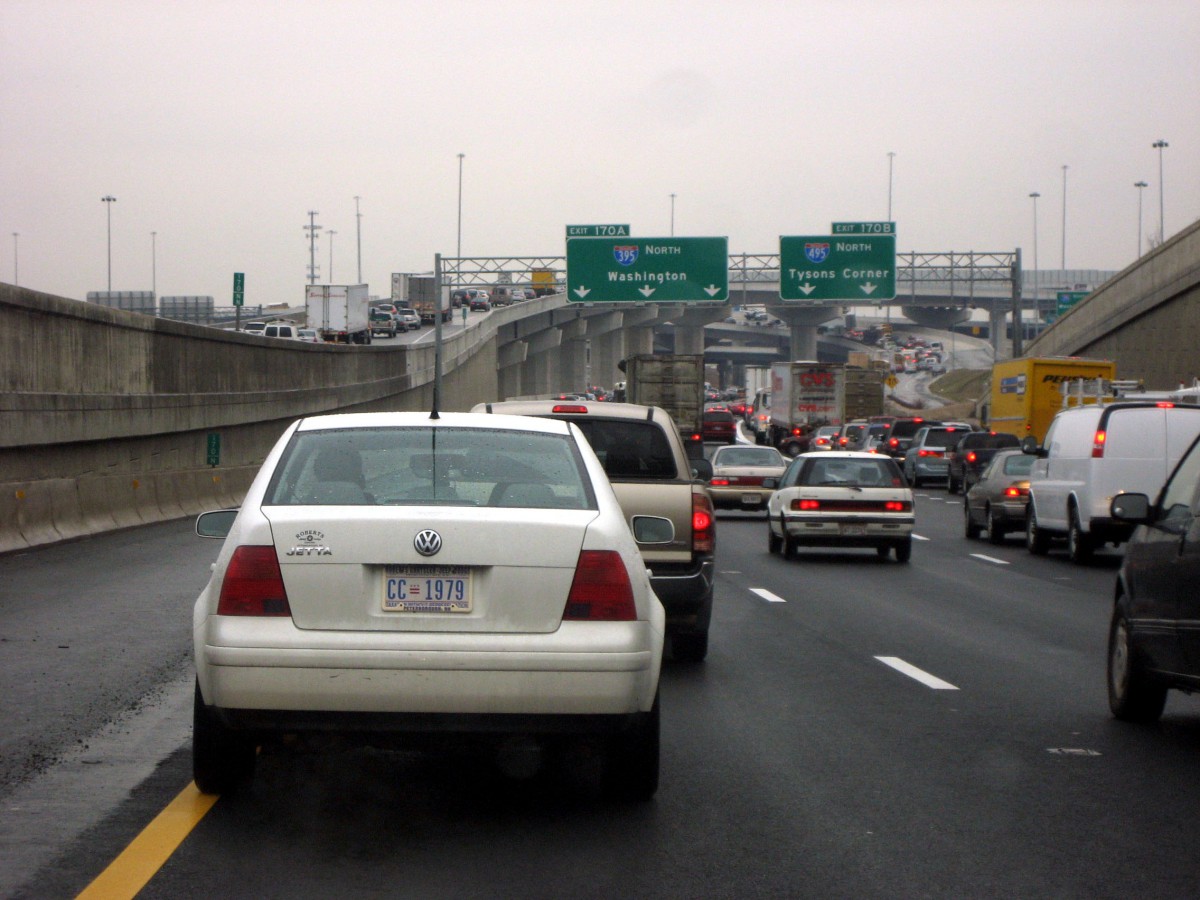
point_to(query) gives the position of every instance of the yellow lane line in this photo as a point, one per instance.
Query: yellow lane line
(145, 855)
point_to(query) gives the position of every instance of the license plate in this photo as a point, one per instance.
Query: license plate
(854, 530)
(427, 589)
(750, 500)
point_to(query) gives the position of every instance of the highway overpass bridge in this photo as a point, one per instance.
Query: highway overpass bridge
(111, 419)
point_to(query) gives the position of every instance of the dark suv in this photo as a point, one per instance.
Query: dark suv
(898, 438)
(970, 456)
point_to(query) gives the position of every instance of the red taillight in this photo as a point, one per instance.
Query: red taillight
(1165, 405)
(894, 443)
(720, 482)
(704, 523)
(600, 591)
(1098, 445)
(1013, 491)
(806, 505)
(253, 585)
(971, 457)
(843, 441)
(897, 506)
(569, 409)
(929, 453)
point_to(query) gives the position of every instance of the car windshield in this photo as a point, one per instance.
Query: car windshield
(850, 473)
(747, 456)
(431, 466)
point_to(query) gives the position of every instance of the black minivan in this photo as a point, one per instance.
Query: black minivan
(1154, 637)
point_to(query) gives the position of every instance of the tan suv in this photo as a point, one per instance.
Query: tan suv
(651, 474)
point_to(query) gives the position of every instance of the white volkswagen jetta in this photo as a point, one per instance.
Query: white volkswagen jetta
(406, 573)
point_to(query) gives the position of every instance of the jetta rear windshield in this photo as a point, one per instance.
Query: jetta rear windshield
(431, 466)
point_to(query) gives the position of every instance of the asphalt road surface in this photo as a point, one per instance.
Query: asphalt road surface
(861, 728)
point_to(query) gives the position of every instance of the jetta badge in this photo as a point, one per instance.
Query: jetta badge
(427, 542)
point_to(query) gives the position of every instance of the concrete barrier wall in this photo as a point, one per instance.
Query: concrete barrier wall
(105, 415)
(1146, 317)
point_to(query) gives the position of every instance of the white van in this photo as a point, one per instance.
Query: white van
(1093, 453)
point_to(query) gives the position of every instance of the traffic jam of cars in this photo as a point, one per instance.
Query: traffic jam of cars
(365, 587)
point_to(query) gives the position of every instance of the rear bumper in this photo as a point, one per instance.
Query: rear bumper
(283, 673)
(832, 530)
(740, 498)
(686, 593)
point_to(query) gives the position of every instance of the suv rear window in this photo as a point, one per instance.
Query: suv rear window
(981, 440)
(629, 448)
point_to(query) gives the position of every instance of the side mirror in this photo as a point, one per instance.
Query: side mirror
(702, 469)
(1029, 446)
(653, 530)
(1131, 508)
(215, 524)
(771, 482)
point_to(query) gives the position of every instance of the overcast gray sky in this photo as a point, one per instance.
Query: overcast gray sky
(219, 125)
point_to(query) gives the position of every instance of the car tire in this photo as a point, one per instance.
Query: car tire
(774, 541)
(951, 485)
(970, 529)
(1037, 541)
(221, 758)
(632, 770)
(691, 646)
(1132, 696)
(791, 449)
(904, 550)
(789, 543)
(995, 528)
(1079, 545)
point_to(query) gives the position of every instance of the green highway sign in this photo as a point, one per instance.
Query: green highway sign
(239, 287)
(843, 228)
(213, 457)
(574, 231)
(1067, 299)
(827, 268)
(655, 270)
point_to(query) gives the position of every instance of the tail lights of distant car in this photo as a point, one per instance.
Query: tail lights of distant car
(811, 505)
(253, 584)
(1016, 490)
(971, 457)
(704, 522)
(600, 591)
(935, 453)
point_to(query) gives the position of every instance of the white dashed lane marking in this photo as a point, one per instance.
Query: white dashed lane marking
(767, 595)
(930, 681)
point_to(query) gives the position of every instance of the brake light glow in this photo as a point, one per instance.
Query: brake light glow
(971, 457)
(806, 505)
(600, 591)
(1014, 491)
(560, 408)
(720, 481)
(253, 584)
(897, 506)
(1098, 445)
(1165, 405)
(704, 522)
(937, 453)
(894, 443)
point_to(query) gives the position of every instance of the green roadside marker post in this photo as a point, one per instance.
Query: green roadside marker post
(213, 457)
(239, 296)
(825, 268)
(648, 270)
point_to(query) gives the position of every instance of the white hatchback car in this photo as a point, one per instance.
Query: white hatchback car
(835, 498)
(370, 585)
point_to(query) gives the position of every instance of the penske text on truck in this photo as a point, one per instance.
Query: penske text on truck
(1027, 392)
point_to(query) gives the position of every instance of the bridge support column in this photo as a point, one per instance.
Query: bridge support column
(802, 324)
(997, 323)
(608, 350)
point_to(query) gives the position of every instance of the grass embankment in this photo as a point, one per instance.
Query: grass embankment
(962, 389)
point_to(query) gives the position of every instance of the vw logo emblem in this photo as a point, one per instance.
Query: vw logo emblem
(427, 542)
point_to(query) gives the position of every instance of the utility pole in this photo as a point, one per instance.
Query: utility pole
(108, 201)
(891, 157)
(358, 223)
(1064, 222)
(312, 228)
(1162, 225)
(331, 233)
(1140, 185)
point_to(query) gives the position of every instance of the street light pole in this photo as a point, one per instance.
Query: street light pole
(672, 215)
(154, 263)
(358, 229)
(891, 157)
(108, 201)
(458, 249)
(1140, 185)
(16, 269)
(1064, 224)
(1162, 228)
(331, 233)
(1037, 276)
